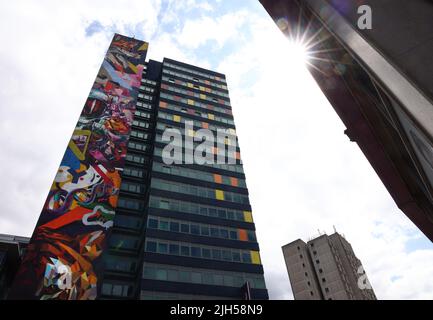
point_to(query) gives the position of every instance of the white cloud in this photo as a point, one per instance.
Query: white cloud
(220, 29)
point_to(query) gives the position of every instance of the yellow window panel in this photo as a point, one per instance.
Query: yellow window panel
(191, 102)
(202, 88)
(219, 194)
(248, 217)
(202, 96)
(190, 85)
(255, 257)
(176, 118)
(232, 131)
(211, 116)
(191, 133)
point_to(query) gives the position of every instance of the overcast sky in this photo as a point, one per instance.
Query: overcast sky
(303, 173)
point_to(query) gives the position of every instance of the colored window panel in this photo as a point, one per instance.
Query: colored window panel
(176, 118)
(190, 85)
(191, 133)
(248, 217)
(243, 234)
(217, 178)
(202, 96)
(163, 104)
(219, 194)
(234, 182)
(205, 125)
(190, 102)
(211, 116)
(255, 257)
(238, 155)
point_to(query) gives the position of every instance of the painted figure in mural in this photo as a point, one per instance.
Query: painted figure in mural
(62, 259)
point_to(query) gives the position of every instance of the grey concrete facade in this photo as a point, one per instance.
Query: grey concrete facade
(326, 268)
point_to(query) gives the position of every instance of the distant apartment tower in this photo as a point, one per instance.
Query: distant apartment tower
(326, 268)
(124, 223)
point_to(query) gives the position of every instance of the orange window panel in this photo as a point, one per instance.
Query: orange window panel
(205, 125)
(217, 178)
(234, 182)
(214, 150)
(243, 234)
(238, 155)
(163, 104)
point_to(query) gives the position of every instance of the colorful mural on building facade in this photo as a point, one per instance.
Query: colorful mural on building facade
(63, 260)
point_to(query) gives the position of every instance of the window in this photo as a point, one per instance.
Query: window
(323, 280)
(184, 250)
(327, 290)
(311, 293)
(301, 256)
(151, 246)
(195, 229)
(317, 261)
(161, 274)
(309, 283)
(306, 274)
(174, 249)
(174, 226)
(153, 223)
(195, 252)
(162, 248)
(320, 270)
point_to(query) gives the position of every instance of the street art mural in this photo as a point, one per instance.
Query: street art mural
(63, 260)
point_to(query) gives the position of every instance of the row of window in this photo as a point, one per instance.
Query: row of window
(133, 172)
(140, 134)
(197, 125)
(143, 105)
(227, 133)
(200, 175)
(145, 97)
(141, 124)
(198, 229)
(200, 209)
(131, 204)
(202, 252)
(195, 112)
(195, 86)
(136, 158)
(191, 102)
(148, 82)
(201, 96)
(127, 222)
(194, 79)
(117, 290)
(199, 73)
(197, 139)
(147, 89)
(132, 187)
(201, 276)
(142, 114)
(122, 242)
(199, 191)
(228, 167)
(122, 264)
(139, 146)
